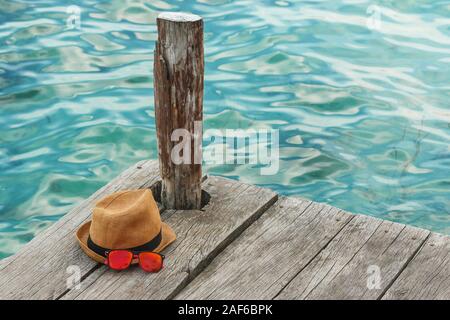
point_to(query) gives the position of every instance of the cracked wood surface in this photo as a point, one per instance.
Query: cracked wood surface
(270, 253)
(201, 235)
(286, 255)
(178, 82)
(360, 263)
(427, 275)
(39, 269)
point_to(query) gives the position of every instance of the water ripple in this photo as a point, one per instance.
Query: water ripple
(363, 113)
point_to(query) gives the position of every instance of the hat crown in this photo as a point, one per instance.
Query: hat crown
(125, 220)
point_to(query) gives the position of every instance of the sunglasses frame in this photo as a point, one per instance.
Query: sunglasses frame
(135, 255)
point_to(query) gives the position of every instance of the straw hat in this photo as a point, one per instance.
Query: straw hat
(125, 220)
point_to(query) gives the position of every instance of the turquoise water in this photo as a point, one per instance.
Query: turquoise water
(359, 93)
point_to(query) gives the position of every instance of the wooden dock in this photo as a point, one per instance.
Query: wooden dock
(247, 243)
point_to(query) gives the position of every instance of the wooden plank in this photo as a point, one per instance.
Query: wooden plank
(427, 276)
(262, 261)
(360, 263)
(39, 269)
(201, 235)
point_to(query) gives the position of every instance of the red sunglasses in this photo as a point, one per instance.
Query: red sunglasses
(121, 260)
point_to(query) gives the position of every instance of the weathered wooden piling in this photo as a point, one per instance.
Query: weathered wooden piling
(178, 82)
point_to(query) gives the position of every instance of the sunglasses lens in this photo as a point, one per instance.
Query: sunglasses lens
(150, 261)
(119, 259)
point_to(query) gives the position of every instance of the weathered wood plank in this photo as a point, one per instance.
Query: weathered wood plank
(427, 276)
(262, 261)
(39, 270)
(201, 235)
(360, 263)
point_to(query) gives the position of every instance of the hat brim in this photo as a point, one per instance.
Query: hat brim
(167, 237)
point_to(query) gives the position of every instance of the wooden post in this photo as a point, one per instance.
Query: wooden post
(178, 83)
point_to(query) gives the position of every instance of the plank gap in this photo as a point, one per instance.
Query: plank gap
(312, 259)
(404, 267)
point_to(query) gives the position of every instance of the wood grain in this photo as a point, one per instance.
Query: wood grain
(262, 261)
(178, 82)
(297, 249)
(39, 269)
(427, 276)
(201, 235)
(360, 263)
